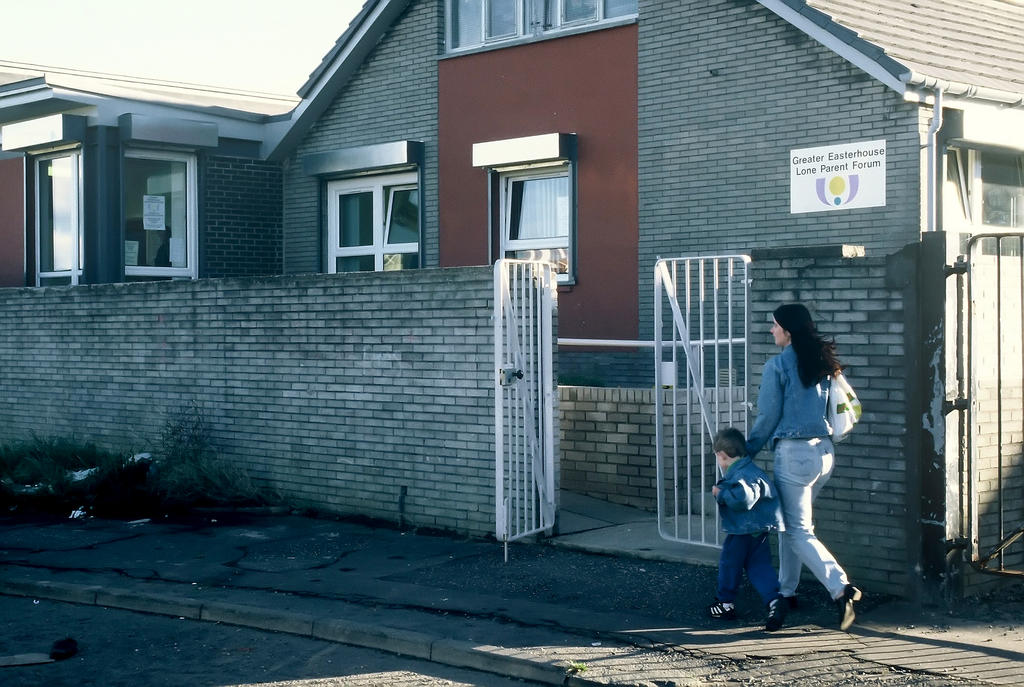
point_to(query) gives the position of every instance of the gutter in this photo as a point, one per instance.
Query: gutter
(964, 90)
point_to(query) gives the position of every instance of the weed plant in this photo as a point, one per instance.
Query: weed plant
(40, 475)
(188, 472)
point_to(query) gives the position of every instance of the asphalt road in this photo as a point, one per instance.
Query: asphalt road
(122, 648)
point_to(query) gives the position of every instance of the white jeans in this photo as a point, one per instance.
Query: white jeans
(802, 467)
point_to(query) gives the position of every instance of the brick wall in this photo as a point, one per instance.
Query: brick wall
(241, 218)
(864, 513)
(727, 89)
(632, 369)
(335, 390)
(608, 443)
(392, 97)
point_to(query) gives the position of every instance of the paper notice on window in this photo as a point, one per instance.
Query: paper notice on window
(154, 213)
(177, 252)
(131, 252)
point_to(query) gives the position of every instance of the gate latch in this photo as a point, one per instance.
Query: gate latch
(959, 267)
(948, 405)
(510, 375)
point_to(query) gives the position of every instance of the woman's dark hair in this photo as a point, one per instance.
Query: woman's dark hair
(815, 355)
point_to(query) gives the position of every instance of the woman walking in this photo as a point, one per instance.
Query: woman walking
(791, 420)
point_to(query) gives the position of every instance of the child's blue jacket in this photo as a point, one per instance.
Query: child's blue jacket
(747, 500)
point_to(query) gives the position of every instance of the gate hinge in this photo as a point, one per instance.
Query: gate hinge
(958, 267)
(956, 543)
(949, 405)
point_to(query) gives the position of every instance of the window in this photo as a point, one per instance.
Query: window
(473, 23)
(536, 218)
(160, 215)
(373, 224)
(983, 192)
(58, 219)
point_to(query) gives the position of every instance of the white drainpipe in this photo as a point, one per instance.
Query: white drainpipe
(933, 158)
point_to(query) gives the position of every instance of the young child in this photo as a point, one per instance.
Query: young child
(749, 508)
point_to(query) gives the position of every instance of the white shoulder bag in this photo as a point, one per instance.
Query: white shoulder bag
(843, 407)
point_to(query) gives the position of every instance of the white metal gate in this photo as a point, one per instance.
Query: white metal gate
(991, 375)
(701, 374)
(524, 393)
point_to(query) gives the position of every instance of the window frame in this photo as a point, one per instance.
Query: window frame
(375, 184)
(190, 271)
(963, 180)
(78, 248)
(531, 23)
(508, 176)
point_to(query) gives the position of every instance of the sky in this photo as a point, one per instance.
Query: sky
(269, 46)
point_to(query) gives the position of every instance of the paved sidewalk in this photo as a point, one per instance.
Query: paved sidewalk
(552, 614)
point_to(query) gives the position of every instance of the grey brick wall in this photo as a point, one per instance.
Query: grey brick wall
(392, 97)
(607, 441)
(335, 390)
(999, 471)
(633, 369)
(609, 447)
(241, 217)
(726, 90)
(863, 514)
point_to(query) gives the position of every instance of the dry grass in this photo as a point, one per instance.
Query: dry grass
(184, 472)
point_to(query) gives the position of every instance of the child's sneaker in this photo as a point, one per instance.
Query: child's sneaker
(722, 610)
(777, 609)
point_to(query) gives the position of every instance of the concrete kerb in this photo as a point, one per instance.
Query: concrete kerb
(56, 591)
(145, 602)
(259, 618)
(450, 652)
(394, 640)
(491, 660)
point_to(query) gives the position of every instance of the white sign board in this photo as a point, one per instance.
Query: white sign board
(839, 177)
(154, 213)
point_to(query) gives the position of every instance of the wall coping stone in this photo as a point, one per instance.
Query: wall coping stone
(836, 250)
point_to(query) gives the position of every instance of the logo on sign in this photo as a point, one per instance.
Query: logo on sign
(838, 190)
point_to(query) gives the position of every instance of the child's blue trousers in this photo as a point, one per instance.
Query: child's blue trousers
(748, 552)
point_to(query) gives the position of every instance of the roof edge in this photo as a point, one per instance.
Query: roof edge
(338, 47)
(864, 55)
(333, 74)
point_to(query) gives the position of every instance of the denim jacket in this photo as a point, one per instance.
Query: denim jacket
(747, 500)
(786, 409)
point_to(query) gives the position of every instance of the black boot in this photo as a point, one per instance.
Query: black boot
(844, 605)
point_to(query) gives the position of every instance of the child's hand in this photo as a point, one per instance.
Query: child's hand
(714, 491)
